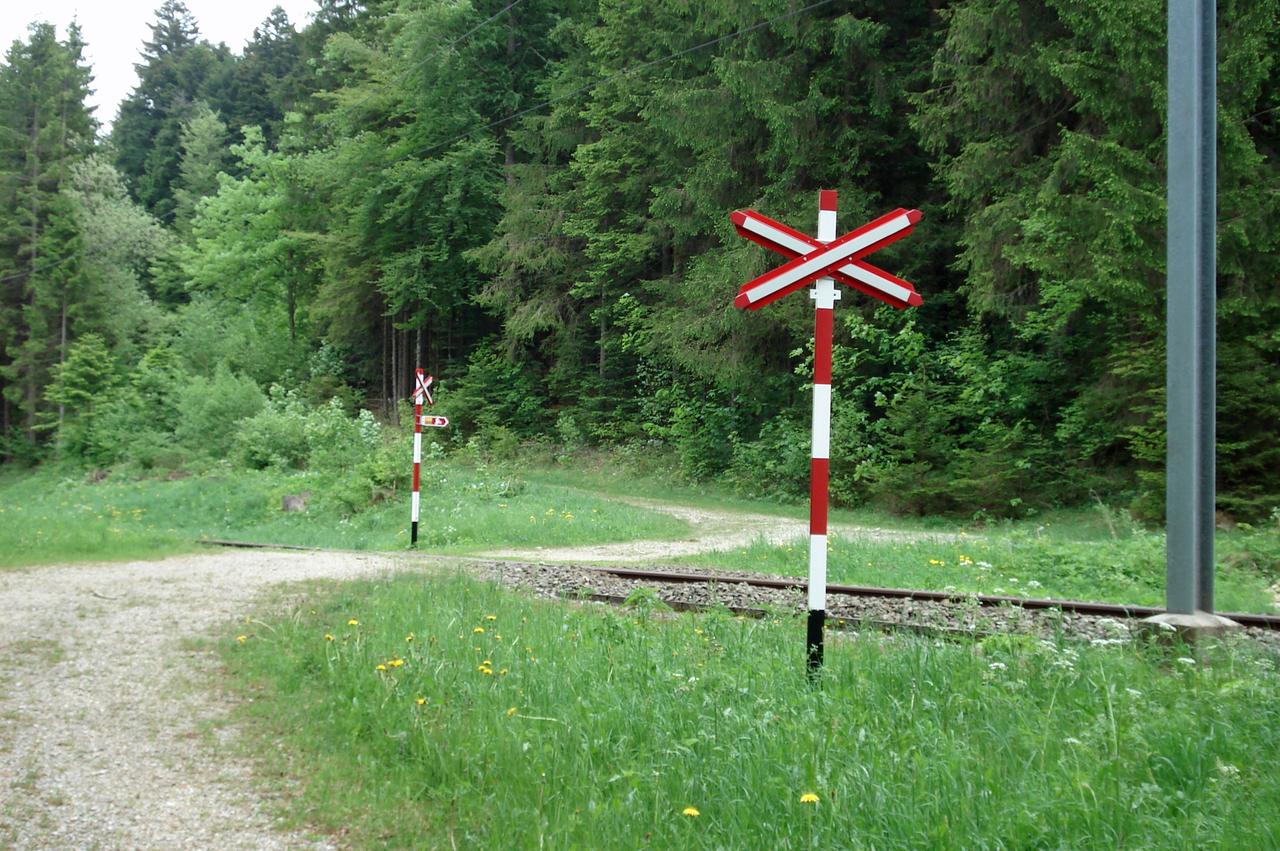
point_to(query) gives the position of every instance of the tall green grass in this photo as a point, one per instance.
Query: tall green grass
(50, 518)
(499, 721)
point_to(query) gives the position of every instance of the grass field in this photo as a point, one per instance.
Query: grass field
(49, 518)
(417, 713)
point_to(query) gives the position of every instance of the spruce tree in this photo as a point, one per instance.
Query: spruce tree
(45, 128)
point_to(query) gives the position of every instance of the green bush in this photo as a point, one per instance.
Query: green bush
(212, 410)
(274, 437)
(776, 464)
(703, 433)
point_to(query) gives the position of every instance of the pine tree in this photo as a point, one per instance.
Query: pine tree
(45, 128)
(177, 71)
(204, 155)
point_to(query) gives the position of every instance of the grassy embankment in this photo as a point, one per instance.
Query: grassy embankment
(1094, 554)
(449, 713)
(46, 518)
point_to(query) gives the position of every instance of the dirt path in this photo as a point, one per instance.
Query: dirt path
(102, 702)
(712, 530)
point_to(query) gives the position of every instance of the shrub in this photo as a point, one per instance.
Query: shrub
(212, 410)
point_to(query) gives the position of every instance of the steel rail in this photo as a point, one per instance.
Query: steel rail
(1080, 607)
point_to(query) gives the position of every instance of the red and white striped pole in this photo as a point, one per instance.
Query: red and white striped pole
(421, 390)
(824, 295)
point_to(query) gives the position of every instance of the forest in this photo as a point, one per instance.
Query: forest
(530, 200)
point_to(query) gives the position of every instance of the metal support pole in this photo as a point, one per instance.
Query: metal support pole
(1192, 298)
(824, 296)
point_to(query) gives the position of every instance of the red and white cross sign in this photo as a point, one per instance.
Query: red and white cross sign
(422, 389)
(823, 262)
(855, 273)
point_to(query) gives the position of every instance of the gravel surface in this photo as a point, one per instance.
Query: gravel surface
(103, 702)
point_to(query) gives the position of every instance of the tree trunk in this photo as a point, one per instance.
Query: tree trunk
(34, 183)
(62, 359)
(510, 158)
(395, 377)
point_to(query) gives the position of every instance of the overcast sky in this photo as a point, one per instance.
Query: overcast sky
(115, 30)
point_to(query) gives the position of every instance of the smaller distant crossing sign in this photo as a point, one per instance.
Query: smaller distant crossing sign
(422, 392)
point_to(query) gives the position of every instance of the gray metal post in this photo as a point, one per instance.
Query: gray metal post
(1192, 299)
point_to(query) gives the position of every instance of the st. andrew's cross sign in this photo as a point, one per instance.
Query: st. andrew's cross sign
(421, 393)
(823, 261)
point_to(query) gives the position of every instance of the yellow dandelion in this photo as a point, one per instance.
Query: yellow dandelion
(808, 798)
(512, 711)
(353, 622)
(491, 617)
(328, 636)
(690, 811)
(487, 662)
(503, 672)
(497, 637)
(380, 667)
(409, 637)
(421, 700)
(488, 672)
(478, 630)
(396, 663)
(242, 638)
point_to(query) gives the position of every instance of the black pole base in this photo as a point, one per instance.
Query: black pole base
(813, 642)
(413, 534)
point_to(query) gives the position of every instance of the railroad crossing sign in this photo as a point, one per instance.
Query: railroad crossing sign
(422, 389)
(814, 258)
(421, 392)
(823, 261)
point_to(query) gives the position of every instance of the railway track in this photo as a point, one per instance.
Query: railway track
(848, 605)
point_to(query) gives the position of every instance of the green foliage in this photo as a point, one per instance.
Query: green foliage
(87, 376)
(530, 202)
(494, 392)
(212, 410)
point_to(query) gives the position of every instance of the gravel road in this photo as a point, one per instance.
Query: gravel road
(103, 702)
(710, 530)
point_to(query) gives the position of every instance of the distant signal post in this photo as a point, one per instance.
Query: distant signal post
(823, 262)
(421, 393)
